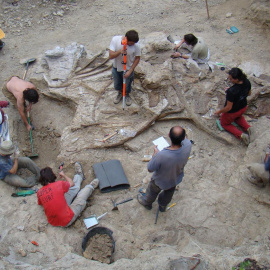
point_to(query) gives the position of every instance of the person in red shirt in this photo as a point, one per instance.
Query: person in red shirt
(56, 197)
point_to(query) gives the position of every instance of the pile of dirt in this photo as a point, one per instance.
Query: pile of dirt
(99, 248)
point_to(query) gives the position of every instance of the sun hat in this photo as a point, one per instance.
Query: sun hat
(2, 34)
(7, 148)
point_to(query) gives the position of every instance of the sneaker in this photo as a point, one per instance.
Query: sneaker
(79, 170)
(118, 98)
(128, 100)
(95, 183)
(140, 200)
(245, 138)
(162, 208)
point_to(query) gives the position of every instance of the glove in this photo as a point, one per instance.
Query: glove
(267, 151)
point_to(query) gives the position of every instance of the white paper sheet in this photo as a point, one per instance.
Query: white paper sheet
(161, 143)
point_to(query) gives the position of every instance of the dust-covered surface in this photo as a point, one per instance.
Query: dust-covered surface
(218, 213)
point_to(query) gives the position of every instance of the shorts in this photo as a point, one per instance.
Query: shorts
(7, 94)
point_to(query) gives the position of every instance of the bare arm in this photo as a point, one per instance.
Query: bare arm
(135, 63)
(14, 169)
(67, 178)
(22, 114)
(179, 44)
(227, 108)
(113, 54)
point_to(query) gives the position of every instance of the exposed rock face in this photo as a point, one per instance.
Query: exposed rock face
(260, 12)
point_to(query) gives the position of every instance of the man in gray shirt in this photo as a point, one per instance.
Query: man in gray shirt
(168, 167)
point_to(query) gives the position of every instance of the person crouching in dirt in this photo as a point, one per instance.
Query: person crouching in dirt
(20, 92)
(10, 166)
(199, 50)
(168, 167)
(56, 197)
(236, 105)
(260, 172)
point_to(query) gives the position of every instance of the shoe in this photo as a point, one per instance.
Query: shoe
(245, 138)
(128, 101)
(140, 200)
(95, 183)
(162, 208)
(79, 170)
(251, 133)
(118, 97)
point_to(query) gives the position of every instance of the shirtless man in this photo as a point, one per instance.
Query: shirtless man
(23, 94)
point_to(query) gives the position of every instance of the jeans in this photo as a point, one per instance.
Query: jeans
(152, 191)
(78, 204)
(17, 181)
(118, 80)
(237, 117)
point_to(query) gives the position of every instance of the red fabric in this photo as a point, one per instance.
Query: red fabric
(3, 104)
(237, 117)
(53, 200)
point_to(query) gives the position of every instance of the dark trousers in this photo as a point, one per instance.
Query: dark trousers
(152, 191)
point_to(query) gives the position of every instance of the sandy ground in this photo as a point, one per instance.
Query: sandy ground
(31, 28)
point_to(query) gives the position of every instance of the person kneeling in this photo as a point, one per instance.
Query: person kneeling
(10, 166)
(57, 197)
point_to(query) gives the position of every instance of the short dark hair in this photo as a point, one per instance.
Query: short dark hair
(237, 73)
(132, 36)
(177, 137)
(31, 95)
(190, 39)
(46, 176)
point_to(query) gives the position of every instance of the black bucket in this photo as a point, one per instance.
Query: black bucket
(99, 230)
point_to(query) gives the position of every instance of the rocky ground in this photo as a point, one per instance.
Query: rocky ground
(219, 218)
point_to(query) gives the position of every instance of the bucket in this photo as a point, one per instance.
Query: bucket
(101, 231)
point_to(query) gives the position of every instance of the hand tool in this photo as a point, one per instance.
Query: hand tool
(172, 205)
(157, 215)
(109, 136)
(61, 166)
(92, 220)
(31, 138)
(116, 204)
(124, 43)
(27, 63)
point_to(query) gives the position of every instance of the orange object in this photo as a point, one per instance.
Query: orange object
(124, 43)
(35, 243)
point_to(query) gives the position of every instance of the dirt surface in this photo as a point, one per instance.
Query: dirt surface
(215, 214)
(99, 248)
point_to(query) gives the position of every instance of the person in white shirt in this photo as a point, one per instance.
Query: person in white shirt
(133, 53)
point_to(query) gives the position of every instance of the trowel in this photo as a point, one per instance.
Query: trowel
(93, 220)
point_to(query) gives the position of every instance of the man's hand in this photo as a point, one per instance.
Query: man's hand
(128, 73)
(176, 54)
(29, 127)
(217, 113)
(62, 175)
(155, 150)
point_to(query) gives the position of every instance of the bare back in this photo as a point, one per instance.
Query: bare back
(16, 86)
